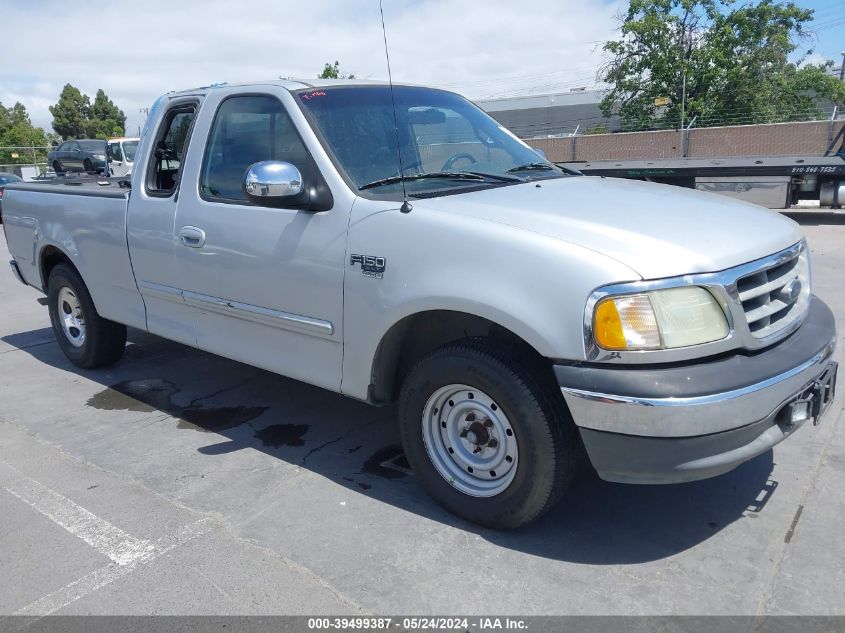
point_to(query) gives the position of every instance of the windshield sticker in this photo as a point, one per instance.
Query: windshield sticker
(313, 94)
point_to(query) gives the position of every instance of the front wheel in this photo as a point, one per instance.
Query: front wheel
(87, 166)
(486, 434)
(86, 338)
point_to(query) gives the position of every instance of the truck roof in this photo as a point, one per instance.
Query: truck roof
(289, 83)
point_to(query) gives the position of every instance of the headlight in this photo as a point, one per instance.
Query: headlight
(660, 319)
(99, 156)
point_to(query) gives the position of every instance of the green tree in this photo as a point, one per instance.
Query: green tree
(723, 61)
(74, 116)
(598, 128)
(106, 119)
(332, 71)
(17, 131)
(71, 113)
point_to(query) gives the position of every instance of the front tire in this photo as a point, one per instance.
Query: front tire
(87, 166)
(86, 338)
(486, 434)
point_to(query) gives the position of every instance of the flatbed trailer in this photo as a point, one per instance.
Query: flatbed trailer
(776, 182)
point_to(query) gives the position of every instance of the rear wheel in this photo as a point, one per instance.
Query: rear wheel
(486, 434)
(86, 338)
(57, 167)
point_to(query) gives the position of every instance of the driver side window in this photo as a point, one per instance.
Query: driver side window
(246, 130)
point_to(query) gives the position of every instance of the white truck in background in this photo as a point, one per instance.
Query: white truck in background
(121, 155)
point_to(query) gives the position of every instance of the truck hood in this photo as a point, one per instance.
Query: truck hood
(656, 230)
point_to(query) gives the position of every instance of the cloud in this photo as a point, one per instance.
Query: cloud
(815, 59)
(138, 50)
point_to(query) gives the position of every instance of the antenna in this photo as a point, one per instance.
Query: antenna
(406, 206)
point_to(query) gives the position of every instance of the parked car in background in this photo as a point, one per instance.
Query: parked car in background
(87, 155)
(6, 178)
(121, 155)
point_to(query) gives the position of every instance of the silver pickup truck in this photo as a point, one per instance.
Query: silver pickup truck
(405, 247)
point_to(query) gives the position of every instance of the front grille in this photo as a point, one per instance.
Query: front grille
(775, 297)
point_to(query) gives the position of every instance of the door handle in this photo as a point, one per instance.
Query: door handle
(192, 237)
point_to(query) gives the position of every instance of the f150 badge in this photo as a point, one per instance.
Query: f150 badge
(371, 265)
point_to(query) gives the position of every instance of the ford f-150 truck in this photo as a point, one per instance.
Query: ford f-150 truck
(397, 244)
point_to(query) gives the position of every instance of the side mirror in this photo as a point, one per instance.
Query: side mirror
(273, 179)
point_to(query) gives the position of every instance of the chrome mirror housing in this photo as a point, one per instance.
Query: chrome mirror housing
(273, 179)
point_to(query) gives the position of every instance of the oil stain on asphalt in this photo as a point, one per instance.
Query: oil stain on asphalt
(153, 394)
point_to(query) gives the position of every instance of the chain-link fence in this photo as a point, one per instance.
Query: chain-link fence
(24, 161)
(810, 138)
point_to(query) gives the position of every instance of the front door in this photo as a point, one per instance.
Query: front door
(265, 283)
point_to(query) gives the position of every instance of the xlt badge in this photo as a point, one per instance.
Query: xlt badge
(371, 265)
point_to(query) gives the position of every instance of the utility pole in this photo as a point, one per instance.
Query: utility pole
(842, 68)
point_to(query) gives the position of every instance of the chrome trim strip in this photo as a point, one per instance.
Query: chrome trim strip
(697, 415)
(17, 272)
(722, 285)
(258, 314)
(160, 291)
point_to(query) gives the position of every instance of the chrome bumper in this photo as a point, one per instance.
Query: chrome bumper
(682, 423)
(695, 415)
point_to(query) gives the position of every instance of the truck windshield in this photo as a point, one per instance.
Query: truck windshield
(447, 144)
(129, 148)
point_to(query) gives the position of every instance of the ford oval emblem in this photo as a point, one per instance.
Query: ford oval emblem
(791, 291)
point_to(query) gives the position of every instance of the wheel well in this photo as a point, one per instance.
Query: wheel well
(417, 335)
(49, 259)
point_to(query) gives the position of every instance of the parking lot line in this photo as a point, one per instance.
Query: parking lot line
(103, 576)
(109, 540)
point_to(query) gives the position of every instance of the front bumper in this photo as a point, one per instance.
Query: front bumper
(693, 421)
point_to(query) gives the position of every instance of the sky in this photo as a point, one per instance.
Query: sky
(136, 51)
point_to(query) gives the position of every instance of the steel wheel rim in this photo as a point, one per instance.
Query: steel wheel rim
(71, 317)
(470, 440)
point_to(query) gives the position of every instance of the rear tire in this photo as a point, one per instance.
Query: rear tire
(86, 338)
(57, 167)
(474, 394)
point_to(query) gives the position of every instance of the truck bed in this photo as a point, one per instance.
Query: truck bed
(99, 187)
(87, 223)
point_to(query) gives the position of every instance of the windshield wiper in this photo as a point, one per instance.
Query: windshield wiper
(499, 177)
(528, 166)
(452, 175)
(544, 167)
